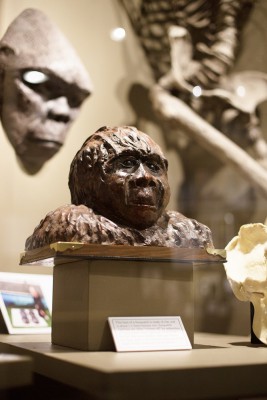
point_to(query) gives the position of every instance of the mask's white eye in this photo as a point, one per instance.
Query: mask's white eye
(35, 77)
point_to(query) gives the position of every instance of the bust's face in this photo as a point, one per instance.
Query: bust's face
(134, 189)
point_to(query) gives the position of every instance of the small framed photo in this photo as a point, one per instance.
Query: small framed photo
(26, 302)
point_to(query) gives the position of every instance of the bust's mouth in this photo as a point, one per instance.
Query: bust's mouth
(143, 206)
(145, 197)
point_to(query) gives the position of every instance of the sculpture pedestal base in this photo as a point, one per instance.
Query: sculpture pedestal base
(86, 293)
(94, 282)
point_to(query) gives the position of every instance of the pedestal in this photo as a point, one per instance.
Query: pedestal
(92, 283)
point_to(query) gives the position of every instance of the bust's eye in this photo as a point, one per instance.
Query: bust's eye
(129, 162)
(153, 166)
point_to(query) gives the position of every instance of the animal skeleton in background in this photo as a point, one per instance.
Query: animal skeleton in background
(213, 26)
(191, 47)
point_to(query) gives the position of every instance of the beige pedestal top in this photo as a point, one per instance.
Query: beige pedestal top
(218, 367)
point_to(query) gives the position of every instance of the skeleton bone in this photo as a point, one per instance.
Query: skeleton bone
(241, 91)
(246, 270)
(178, 114)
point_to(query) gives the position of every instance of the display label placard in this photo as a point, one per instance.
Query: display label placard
(149, 333)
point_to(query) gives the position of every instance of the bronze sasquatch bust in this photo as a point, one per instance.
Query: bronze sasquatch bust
(43, 84)
(119, 193)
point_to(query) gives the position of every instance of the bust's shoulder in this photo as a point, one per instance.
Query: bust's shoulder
(175, 216)
(77, 223)
(188, 232)
(69, 209)
(59, 225)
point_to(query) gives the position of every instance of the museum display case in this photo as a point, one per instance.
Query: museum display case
(193, 76)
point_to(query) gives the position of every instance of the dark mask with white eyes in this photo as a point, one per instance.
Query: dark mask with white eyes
(43, 85)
